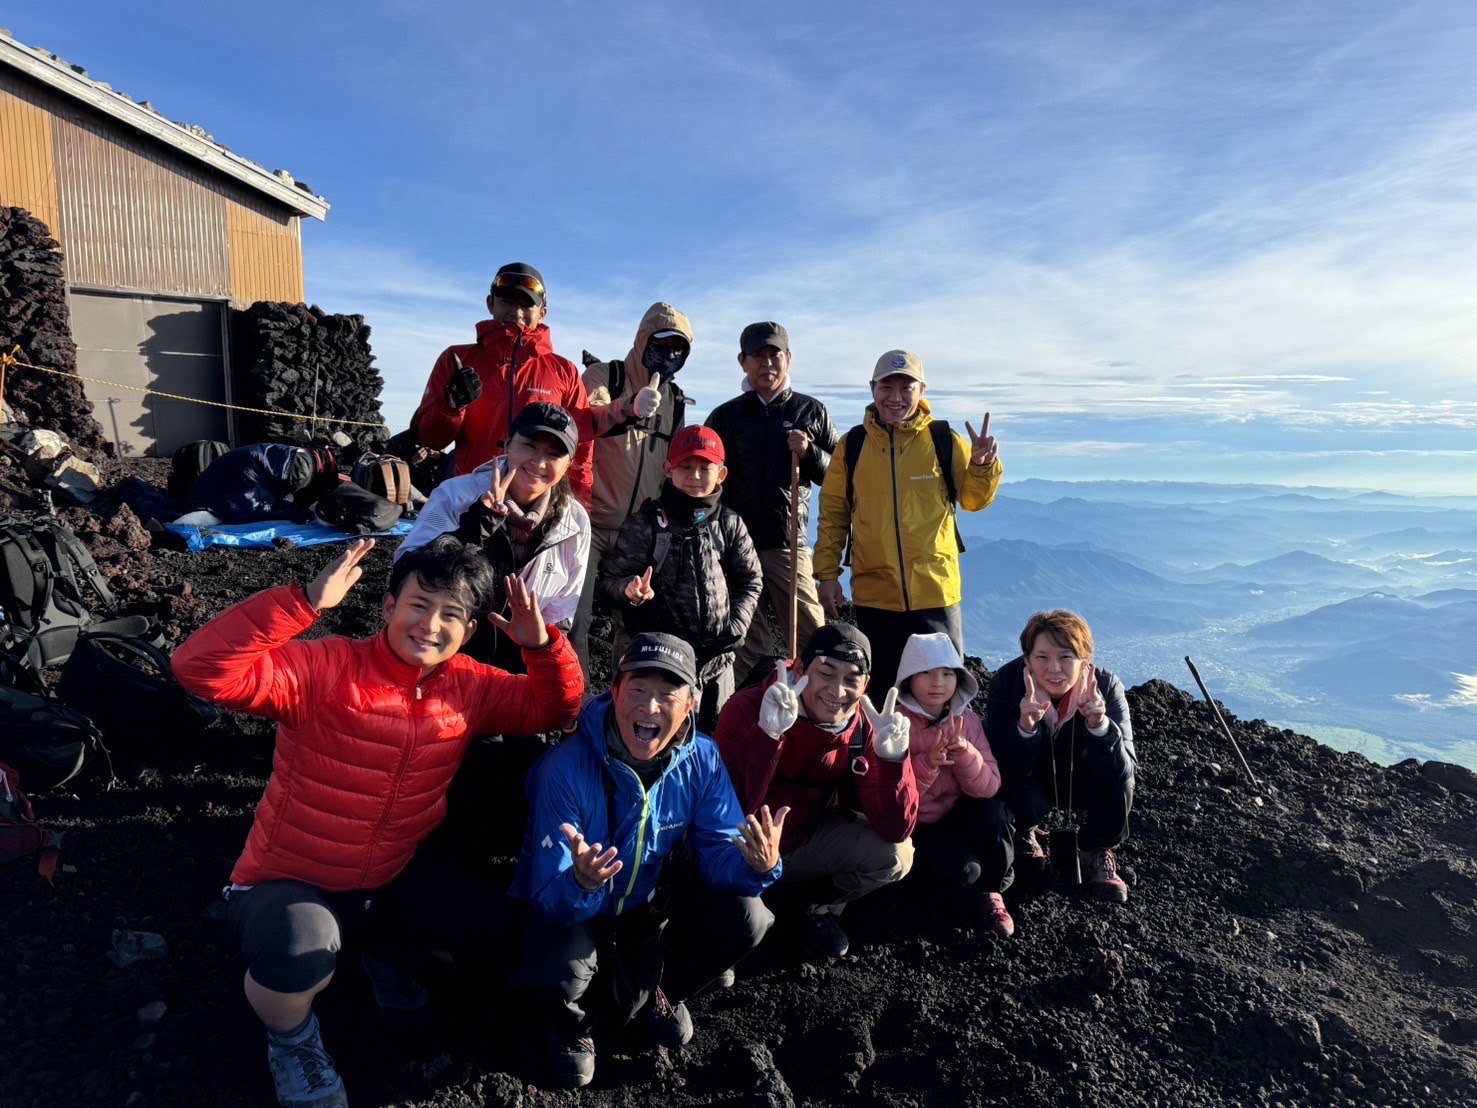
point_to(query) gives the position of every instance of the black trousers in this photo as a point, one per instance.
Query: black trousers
(1101, 787)
(967, 847)
(701, 934)
(888, 633)
(291, 932)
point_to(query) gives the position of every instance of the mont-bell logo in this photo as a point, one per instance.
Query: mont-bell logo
(899, 361)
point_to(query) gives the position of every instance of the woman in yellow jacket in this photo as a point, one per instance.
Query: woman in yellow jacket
(893, 502)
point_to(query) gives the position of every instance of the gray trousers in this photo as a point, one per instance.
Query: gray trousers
(843, 847)
(762, 643)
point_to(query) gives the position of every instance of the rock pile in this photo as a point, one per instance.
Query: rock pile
(34, 316)
(302, 361)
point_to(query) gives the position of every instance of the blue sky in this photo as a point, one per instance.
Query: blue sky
(1155, 240)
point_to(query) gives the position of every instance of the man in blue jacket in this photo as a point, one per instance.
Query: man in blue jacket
(638, 777)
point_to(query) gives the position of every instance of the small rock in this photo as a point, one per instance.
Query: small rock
(134, 1098)
(41, 445)
(77, 479)
(130, 947)
(152, 1014)
(144, 1042)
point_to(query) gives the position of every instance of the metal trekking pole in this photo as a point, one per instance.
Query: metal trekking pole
(1222, 721)
(792, 646)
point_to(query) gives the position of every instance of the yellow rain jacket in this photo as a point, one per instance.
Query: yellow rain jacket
(905, 550)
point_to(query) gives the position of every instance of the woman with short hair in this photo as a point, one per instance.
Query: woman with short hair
(1060, 730)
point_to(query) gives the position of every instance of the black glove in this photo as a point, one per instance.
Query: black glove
(464, 386)
(479, 523)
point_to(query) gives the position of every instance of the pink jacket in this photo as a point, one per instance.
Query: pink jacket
(974, 772)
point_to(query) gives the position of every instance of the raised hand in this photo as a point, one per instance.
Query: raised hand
(780, 707)
(941, 753)
(890, 728)
(525, 621)
(502, 480)
(831, 596)
(982, 447)
(333, 583)
(646, 401)
(591, 868)
(1090, 703)
(758, 839)
(1034, 705)
(639, 590)
(463, 386)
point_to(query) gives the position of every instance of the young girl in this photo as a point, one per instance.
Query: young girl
(955, 838)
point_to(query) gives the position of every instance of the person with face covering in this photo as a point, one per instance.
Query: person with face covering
(628, 459)
(1060, 727)
(610, 805)
(810, 740)
(955, 769)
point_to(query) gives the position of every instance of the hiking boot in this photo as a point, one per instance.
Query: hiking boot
(402, 1000)
(827, 939)
(669, 1023)
(993, 915)
(1100, 870)
(572, 1065)
(303, 1071)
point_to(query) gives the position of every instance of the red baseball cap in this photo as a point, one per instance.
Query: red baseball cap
(697, 442)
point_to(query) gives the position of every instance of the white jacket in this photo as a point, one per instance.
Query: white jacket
(557, 570)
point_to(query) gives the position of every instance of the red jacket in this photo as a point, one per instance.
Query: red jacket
(366, 747)
(518, 367)
(809, 769)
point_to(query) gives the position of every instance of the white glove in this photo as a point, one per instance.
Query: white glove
(780, 707)
(891, 730)
(646, 401)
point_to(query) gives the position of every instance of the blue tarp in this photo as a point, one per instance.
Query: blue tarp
(258, 536)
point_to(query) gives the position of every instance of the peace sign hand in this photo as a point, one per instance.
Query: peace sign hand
(502, 481)
(591, 868)
(941, 753)
(1090, 701)
(890, 728)
(982, 447)
(759, 839)
(639, 590)
(526, 626)
(1034, 705)
(780, 707)
(333, 583)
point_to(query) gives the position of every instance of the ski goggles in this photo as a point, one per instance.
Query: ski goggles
(523, 282)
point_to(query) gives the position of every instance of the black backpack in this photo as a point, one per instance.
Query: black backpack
(189, 462)
(357, 511)
(127, 687)
(43, 566)
(943, 449)
(48, 743)
(384, 475)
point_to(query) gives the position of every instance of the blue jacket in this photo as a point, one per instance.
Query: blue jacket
(252, 483)
(693, 797)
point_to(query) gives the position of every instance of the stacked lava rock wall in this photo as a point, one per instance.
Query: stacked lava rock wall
(34, 316)
(299, 360)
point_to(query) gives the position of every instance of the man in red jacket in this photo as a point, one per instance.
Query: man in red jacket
(810, 740)
(477, 388)
(370, 734)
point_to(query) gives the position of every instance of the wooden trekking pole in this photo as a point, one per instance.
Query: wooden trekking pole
(1222, 721)
(792, 647)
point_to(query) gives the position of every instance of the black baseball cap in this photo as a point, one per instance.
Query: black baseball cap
(842, 642)
(519, 280)
(546, 419)
(654, 650)
(757, 336)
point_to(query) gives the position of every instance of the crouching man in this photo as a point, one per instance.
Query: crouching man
(810, 739)
(370, 734)
(608, 807)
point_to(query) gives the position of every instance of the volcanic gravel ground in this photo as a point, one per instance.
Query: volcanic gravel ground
(1314, 949)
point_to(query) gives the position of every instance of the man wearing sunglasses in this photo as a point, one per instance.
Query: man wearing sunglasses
(477, 388)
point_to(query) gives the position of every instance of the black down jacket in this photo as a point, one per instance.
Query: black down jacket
(756, 439)
(707, 586)
(252, 483)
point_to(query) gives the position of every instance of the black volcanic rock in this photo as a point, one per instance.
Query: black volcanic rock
(1305, 943)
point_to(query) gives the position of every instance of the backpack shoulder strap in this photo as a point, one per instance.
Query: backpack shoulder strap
(79, 556)
(661, 541)
(856, 438)
(27, 576)
(943, 449)
(616, 377)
